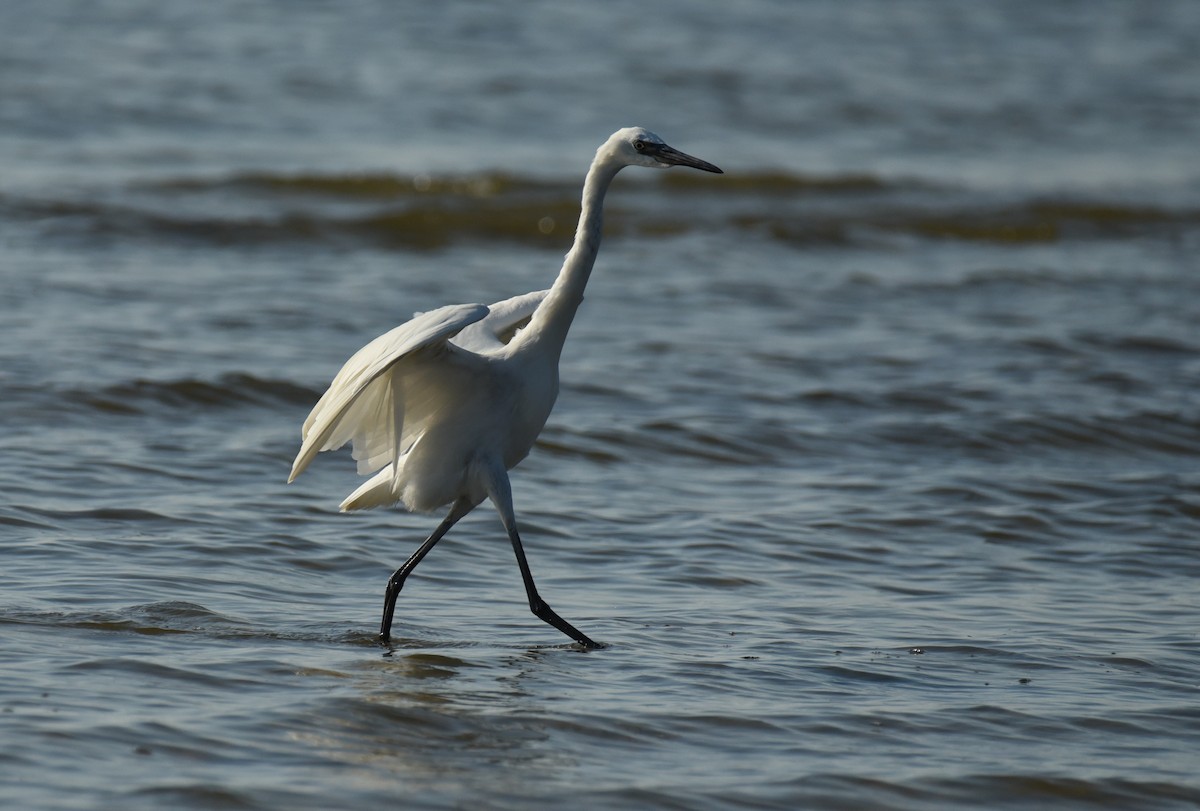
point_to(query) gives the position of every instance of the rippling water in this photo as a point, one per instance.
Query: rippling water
(875, 464)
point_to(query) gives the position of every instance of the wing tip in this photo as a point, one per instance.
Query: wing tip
(301, 462)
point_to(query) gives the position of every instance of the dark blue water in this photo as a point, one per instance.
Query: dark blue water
(875, 464)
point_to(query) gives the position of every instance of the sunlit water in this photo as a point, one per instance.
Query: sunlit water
(875, 465)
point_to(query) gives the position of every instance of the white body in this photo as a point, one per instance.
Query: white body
(449, 409)
(440, 408)
(438, 416)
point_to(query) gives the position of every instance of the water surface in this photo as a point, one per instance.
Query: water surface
(874, 465)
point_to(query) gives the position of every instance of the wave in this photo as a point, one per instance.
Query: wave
(900, 420)
(363, 185)
(227, 391)
(1142, 433)
(944, 429)
(1004, 790)
(496, 184)
(430, 212)
(173, 617)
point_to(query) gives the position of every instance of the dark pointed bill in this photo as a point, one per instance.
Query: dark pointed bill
(673, 157)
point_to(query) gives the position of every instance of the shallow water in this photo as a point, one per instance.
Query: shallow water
(874, 465)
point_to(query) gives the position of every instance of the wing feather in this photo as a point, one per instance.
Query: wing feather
(497, 328)
(361, 404)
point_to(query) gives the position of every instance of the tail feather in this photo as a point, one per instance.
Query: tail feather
(376, 491)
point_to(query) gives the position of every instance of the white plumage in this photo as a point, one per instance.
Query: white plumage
(441, 407)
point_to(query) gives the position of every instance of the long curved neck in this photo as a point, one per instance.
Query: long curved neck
(552, 320)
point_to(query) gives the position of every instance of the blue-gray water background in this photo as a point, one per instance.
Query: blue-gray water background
(875, 463)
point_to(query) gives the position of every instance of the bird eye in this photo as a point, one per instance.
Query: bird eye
(639, 145)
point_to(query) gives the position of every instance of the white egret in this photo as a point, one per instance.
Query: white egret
(446, 404)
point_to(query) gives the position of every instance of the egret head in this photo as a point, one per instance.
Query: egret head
(637, 146)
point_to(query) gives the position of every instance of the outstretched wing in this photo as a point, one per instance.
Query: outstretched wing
(359, 404)
(502, 322)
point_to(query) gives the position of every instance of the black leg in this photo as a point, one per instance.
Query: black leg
(536, 604)
(457, 511)
(500, 492)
